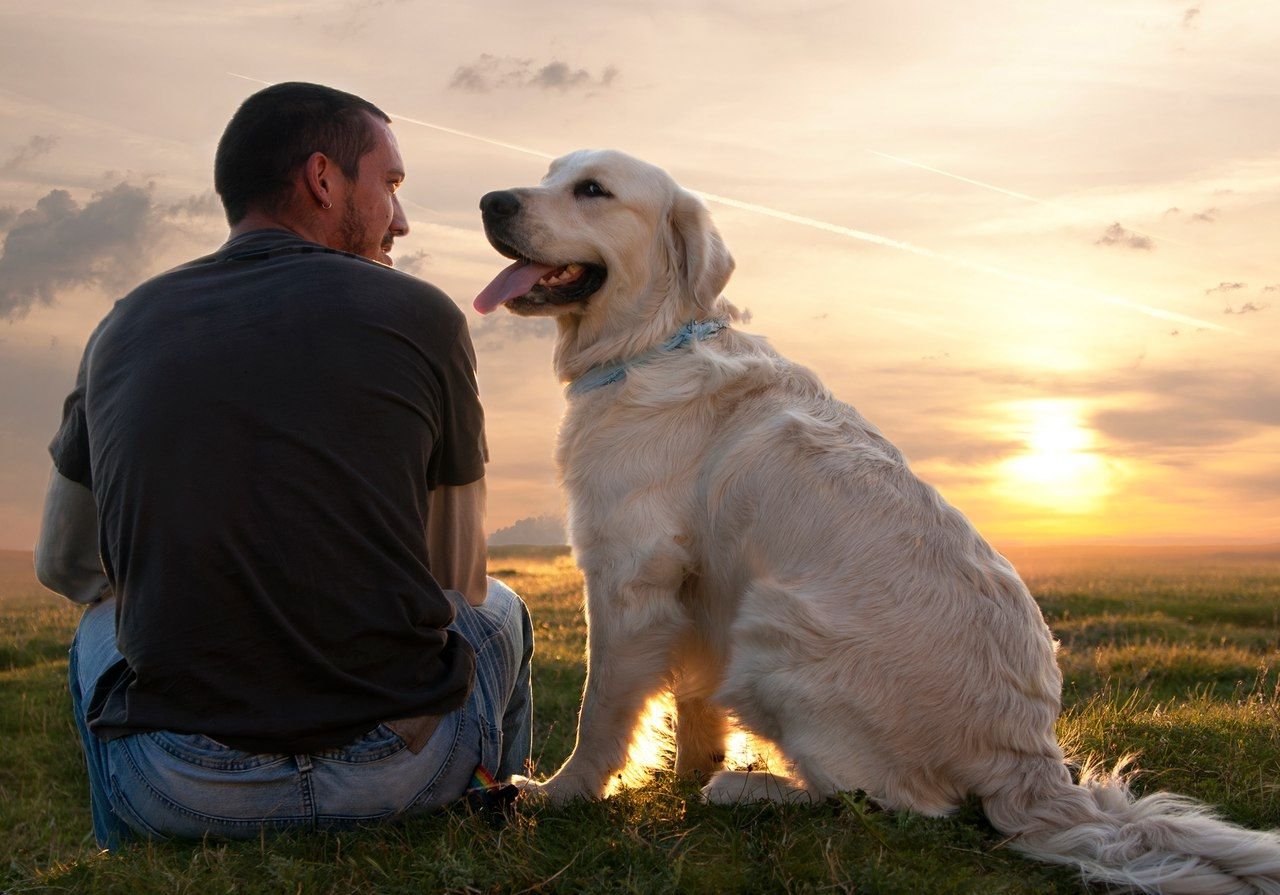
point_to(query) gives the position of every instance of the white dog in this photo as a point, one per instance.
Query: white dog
(756, 545)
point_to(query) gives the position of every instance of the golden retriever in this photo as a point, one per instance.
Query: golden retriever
(757, 546)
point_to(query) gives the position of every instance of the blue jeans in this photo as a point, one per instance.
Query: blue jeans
(160, 785)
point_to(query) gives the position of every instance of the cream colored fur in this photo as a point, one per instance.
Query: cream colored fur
(758, 546)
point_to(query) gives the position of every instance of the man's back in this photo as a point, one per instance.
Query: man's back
(264, 426)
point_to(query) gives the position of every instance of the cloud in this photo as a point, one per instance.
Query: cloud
(1259, 484)
(201, 205)
(32, 150)
(503, 329)
(415, 263)
(1248, 307)
(109, 242)
(1169, 407)
(953, 447)
(8, 214)
(1226, 287)
(1192, 408)
(490, 73)
(1117, 235)
(558, 75)
(1190, 16)
(1208, 216)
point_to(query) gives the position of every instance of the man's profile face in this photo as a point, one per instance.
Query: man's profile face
(371, 213)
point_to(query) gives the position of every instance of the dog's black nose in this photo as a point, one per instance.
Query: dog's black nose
(501, 203)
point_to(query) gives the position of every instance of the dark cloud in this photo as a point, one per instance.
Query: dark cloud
(1190, 16)
(1208, 216)
(963, 450)
(1117, 235)
(1260, 484)
(1274, 288)
(108, 242)
(471, 79)
(490, 73)
(502, 329)
(202, 205)
(1193, 408)
(33, 149)
(1166, 407)
(8, 214)
(1226, 287)
(60, 244)
(1249, 307)
(415, 263)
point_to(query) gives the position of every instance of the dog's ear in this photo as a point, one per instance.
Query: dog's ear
(702, 261)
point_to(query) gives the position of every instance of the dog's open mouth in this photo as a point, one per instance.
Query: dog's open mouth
(528, 286)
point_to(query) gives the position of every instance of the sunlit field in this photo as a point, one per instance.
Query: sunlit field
(1169, 653)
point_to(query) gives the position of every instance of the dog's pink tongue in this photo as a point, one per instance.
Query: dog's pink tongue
(513, 282)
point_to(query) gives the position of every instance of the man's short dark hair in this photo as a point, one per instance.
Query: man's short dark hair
(276, 130)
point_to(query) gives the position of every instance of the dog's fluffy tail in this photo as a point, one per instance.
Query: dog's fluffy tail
(1159, 843)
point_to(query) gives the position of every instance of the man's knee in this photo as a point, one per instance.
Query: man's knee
(505, 604)
(512, 615)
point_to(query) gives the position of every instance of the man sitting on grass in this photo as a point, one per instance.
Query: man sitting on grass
(269, 486)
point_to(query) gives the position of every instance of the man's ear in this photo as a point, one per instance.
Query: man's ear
(317, 175)
(702, 261)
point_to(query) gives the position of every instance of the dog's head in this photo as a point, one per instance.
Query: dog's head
(603, 234)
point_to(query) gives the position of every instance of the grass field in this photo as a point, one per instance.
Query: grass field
(1170, 653)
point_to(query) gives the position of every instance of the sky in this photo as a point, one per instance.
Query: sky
(1034, 243)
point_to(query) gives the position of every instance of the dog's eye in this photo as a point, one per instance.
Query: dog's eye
(590, 189)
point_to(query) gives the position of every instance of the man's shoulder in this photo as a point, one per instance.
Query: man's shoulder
(339, 268)
(378, 288)
(286, 262)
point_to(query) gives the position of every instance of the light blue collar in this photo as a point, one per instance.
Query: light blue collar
(598, 377)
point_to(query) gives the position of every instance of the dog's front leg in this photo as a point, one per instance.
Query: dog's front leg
(631, 632)
(700, 738)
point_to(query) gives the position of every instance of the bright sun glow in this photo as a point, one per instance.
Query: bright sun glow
(1057, 469)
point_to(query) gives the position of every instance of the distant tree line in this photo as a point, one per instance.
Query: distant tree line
(538, 531)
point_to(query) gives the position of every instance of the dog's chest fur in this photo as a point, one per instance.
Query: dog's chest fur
(647, 463)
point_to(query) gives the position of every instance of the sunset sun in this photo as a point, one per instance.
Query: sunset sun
(1058, 467)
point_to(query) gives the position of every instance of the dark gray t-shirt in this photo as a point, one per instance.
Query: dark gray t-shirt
(260, 429)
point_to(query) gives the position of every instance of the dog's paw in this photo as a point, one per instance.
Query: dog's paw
(739, 787)
(522, 783)
(554, 791)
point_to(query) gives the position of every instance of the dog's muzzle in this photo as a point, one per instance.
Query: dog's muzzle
(498, 210)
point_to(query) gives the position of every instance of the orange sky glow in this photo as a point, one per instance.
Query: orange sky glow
(1033, 243)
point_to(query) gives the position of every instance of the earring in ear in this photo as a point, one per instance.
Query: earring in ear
(326, 206)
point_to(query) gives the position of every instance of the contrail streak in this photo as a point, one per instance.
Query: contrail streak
(864, 236)
(1013, 276)
(436, 127)
(448, 130)
(1078, 213)
(962, 179)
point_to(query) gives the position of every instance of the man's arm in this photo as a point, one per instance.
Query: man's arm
(67, 559)
(455, 539)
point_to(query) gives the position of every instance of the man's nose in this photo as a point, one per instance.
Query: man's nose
(500, 204)
(399, 221)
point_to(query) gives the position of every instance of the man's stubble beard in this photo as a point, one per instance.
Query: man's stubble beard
(351, 231)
